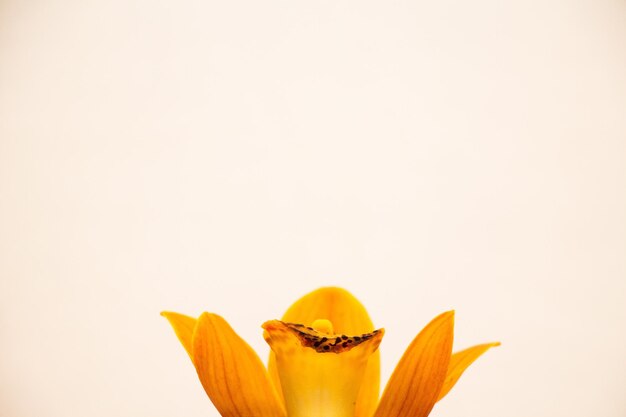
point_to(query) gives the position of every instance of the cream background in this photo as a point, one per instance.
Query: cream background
(231, 156)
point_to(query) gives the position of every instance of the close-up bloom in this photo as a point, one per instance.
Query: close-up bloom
(324, 362)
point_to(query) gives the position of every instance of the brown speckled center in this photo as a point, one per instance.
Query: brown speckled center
(324, 343)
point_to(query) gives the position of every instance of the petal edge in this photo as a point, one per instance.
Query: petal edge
(459, 362)
(183, 327)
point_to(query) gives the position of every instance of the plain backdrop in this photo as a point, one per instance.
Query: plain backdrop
(230, 156)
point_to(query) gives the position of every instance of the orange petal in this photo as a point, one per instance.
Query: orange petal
(414, 385)
(183, 327)
(348, 316)
(459, 362)
(231, 373)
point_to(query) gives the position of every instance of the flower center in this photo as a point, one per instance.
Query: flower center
(320, 372)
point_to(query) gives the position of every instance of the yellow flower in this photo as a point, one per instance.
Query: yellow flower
(324, 363)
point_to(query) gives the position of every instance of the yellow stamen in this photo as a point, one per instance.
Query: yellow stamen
(323, 326)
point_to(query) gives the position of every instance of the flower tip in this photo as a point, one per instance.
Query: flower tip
(171, 315)
(271, 325)
(206, 316)
(446, 317)
(330, 291)
(165, 314)
(379, 334)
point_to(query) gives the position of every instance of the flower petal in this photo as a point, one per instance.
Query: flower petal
(231, 373)
(183, 327)
(459, 362)
(321, 372)
(414, 385)
(344, 311)
(348, 316)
